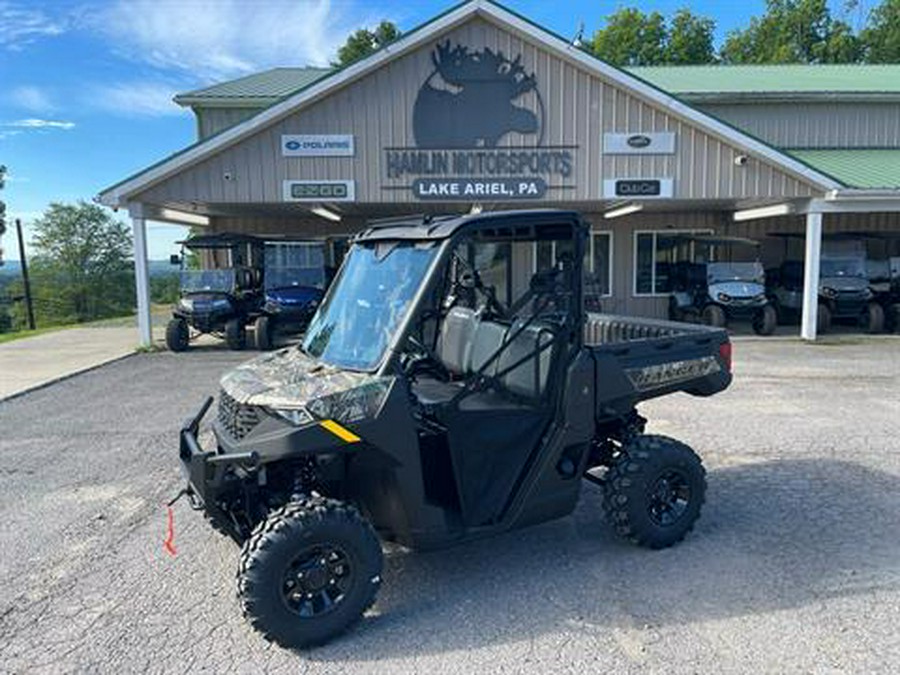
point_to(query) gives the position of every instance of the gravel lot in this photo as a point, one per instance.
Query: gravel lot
(794, 566)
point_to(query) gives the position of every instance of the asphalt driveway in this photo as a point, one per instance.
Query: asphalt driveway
(794, 566)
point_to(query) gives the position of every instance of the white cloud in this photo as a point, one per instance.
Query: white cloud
(20, 25)
(34, 123)
(216, 39)
(131, 99)
(9, 133)
(33, 99)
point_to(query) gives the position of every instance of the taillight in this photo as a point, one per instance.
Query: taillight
(725, 353)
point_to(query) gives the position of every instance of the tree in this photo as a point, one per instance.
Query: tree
(2, 210)
(364, 42)
(793, 31)
(690, 39)
(631, 38)
(881, 36)
(81, 269)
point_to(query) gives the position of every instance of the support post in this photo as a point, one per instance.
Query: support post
(811, 276)
(142, 279)
(26, 283)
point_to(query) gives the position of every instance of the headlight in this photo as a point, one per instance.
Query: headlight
(187, 304)
(353, 404)
(220, 303)
(760, 298)
(724, 297)
(297, 417)
(830, 292)
(867, 294)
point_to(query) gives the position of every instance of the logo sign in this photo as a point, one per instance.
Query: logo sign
(473, 189)
(319, 190)
(639, 188)
(478, 126)
(653, 377)
(640, 143)
(317, 145)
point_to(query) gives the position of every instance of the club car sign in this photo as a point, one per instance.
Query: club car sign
(468, 104)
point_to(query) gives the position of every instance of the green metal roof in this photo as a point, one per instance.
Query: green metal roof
(857, 82)
(259, 89)
(859, 168)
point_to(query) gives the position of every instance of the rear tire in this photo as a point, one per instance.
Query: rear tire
(654, 491)
(262, 330)
(235, 334)
(713, 315)
(823, 321)
(308, 572)
(178, 335)
(765, 321)
(873, 318)
(894, 318)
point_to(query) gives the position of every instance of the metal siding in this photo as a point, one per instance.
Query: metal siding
(211, 121)
(378, 111)
(815, 125)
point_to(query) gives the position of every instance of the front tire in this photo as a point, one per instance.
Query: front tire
(713, 315)
(823, 318)
(765, 321)
(873, 318)
(262, 329)
(308, 572)
(894, 318)
(654, 491)
(235, 334)
(177, 335)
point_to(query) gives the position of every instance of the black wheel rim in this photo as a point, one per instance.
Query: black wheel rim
(317, 580)
(669, 498)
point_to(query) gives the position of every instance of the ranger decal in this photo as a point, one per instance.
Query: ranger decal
(652, 377)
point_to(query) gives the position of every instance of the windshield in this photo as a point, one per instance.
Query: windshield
(193, 281)
(749, 272)
(842, 267)
(287, 277)
(367, 303)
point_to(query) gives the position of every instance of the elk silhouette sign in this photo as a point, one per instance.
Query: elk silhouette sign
(469, 100)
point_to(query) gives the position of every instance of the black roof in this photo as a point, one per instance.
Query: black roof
(220, 240)
(442, 227)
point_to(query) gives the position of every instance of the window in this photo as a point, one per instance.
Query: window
(654, 254)
(597, 266)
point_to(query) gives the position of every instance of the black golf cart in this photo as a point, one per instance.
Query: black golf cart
(844, 291)
(884, 280)
(222, 294)
(293, 286)
(716, 291)
(442, 393)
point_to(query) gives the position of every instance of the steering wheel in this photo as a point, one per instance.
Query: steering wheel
(423, 361)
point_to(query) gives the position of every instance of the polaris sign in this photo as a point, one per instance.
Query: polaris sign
(317, 145)
(640, 143)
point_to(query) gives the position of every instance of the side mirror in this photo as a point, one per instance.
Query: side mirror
(174, 259)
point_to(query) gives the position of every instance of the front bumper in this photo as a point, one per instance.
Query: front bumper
(204, 470)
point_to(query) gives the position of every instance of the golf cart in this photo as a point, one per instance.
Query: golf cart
(442, 393)
(293, 287)
(844, 291)
(719, 292)
(220, 297)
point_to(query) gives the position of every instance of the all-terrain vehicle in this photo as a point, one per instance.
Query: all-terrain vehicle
(844, 291)
(293, 287)
(220, 297)
(720, 292)
(442, 393)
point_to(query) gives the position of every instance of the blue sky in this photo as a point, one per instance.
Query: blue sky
(86, 87)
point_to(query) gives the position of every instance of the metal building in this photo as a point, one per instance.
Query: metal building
(482, 107)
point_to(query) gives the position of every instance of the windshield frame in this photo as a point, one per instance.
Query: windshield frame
(426, 283)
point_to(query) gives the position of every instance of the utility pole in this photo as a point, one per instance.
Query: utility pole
(29, 308)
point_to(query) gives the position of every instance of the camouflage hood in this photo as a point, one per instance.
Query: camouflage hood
(288, 379)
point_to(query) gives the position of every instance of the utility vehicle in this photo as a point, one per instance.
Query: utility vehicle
(844, 291)
(222, 295)
(884, 280)
(718, 292)
(293, 286)
(442, 392)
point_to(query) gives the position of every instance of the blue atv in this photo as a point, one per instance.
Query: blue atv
(293, 287)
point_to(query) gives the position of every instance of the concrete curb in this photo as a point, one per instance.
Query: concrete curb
(65, 376)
